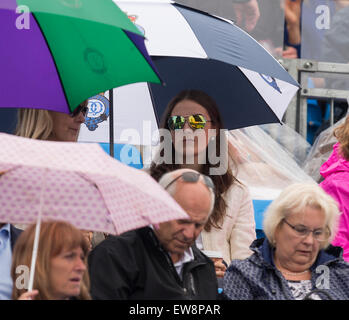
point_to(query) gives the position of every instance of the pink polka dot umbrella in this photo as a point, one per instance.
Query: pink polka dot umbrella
(80, 184)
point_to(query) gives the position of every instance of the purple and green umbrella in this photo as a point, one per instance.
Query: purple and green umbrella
(54, 54)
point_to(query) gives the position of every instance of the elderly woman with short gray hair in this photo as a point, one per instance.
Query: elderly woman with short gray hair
(295, 261)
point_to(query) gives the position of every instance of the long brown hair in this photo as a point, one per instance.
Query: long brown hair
(55, 236)
(342, 134)
(222, 182)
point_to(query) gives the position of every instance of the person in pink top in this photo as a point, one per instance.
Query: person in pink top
(336, 183)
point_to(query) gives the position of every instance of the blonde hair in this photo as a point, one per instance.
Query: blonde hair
(34, 123)
(55, 236)
(342, 134)
(294, 200)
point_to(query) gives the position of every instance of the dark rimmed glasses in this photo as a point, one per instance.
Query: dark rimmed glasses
(193, 177)
(195, 121)
(321, 234)
(80, 108)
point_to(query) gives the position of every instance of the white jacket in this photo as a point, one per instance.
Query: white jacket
(238, 229)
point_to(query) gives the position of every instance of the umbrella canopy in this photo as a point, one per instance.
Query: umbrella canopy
(78, 183)
(195, 50)
(61, 52)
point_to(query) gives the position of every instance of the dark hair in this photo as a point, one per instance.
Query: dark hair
(222, 182)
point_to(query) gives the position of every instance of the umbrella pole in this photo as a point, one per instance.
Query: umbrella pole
(111, 123)
(37, 234)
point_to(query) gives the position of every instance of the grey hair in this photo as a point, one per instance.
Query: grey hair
(294, 200)
(168, 177)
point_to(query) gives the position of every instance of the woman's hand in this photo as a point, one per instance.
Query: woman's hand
(220, 268)
(29, 295)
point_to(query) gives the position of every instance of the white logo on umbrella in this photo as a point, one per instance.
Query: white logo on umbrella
(271, 81)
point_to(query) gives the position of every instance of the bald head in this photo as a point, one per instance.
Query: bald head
(193, 197)
(173, 182)
(197, 201)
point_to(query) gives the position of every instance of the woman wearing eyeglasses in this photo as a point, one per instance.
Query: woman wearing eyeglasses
(51, 125)
(194, 122)
(295, 261)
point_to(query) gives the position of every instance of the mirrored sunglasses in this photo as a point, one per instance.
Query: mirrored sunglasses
(195, 121)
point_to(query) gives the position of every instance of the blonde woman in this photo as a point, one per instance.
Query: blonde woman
(296, 260)
(61, 266)
(51, 125)
(55, 126)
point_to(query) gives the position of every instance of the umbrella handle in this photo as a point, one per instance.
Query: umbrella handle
(37, 234)
(111, 123)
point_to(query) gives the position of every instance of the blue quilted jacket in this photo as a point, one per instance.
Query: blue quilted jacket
(256, 278)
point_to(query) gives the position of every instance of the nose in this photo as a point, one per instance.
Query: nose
(309, 239)
(80, 265)
(189, 232)
(80, 118)
(187, 129)
(186, 125)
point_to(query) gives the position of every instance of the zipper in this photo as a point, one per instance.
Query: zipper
(168, 259)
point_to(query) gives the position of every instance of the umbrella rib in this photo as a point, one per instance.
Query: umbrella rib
(259, 95)
(3, 172)
(151, 63)
(53, 59)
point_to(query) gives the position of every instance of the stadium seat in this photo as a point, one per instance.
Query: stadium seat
(259, 208)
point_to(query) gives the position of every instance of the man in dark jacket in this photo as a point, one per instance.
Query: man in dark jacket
(8, 237)
(160, 262)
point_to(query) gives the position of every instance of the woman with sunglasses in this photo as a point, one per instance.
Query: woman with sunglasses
(51, 125)
(42, 125)
(295, 261)
(195, 123)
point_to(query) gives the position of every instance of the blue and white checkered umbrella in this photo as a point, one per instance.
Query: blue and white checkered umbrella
(195, 50)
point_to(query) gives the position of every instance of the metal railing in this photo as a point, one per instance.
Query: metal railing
(297, 113)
